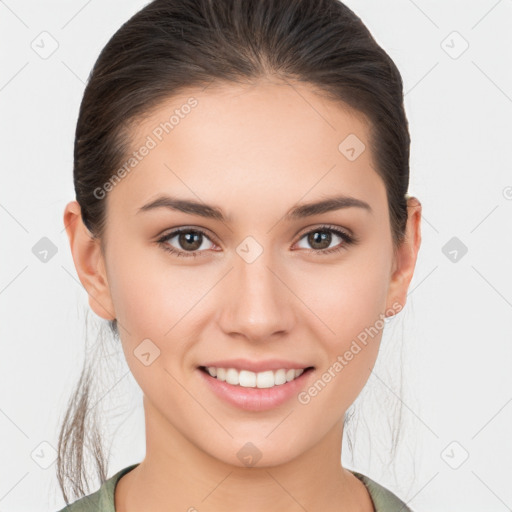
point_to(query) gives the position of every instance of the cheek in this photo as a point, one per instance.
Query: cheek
(160, 302)
(149, 295)
(152, 302)
(349, 298)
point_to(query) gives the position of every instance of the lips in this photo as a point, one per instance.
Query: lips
(254, 398)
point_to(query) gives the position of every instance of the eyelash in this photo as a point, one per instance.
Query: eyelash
(347, 240)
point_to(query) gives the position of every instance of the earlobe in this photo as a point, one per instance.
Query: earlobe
(89, 262)
(406, 256)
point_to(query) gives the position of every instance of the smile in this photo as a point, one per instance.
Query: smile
(248, 379)
(255, 391)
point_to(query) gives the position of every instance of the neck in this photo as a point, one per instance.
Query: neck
(177, 474)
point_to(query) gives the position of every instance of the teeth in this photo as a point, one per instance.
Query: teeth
(247, 379)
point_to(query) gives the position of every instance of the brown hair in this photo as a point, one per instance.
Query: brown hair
(172, 45)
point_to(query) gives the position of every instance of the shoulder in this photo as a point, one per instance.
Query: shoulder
(86, 504)
(383, 499)
(102, 500)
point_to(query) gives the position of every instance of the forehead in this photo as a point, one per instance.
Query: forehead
(270, 141)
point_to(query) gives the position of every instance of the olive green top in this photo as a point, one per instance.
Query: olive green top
(103, 499)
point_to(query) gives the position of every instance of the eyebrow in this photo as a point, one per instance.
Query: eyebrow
(214, 212)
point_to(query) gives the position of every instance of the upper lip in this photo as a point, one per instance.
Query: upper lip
(257, 366)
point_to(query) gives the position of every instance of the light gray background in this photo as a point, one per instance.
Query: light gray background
(455, 329)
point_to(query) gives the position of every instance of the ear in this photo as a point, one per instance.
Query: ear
(405, 257)
(89, 262)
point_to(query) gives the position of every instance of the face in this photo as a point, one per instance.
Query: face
(258, 284)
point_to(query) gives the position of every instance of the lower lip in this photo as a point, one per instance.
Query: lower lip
(256, 399)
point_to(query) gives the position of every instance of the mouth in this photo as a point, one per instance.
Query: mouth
(249, 379)
(256, 391)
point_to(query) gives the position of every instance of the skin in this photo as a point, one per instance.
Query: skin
(255, 152)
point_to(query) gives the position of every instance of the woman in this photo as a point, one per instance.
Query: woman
(241, 218)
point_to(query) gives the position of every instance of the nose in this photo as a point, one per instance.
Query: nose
(257, 303)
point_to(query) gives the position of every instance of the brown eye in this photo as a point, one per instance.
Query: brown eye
(189, 242)
(320, 239)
